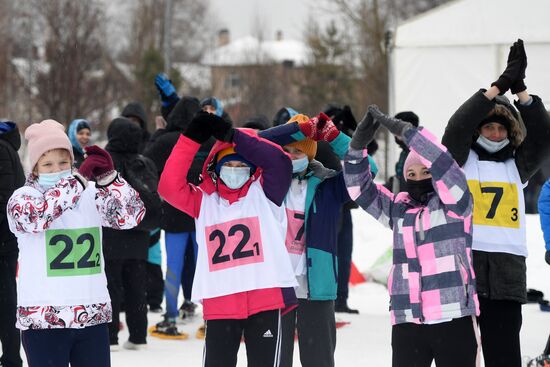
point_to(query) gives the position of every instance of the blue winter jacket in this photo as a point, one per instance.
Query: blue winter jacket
(544, 211)
(326, 192)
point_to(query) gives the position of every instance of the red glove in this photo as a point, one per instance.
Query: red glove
(98, 163)
(309, 128)
(326, 130)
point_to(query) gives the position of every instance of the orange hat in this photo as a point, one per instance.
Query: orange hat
(227, 151)
(307, 146)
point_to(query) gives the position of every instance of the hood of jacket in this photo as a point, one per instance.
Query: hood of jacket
(517, 130)
(210, 180)
(182, 114)
(135, 109)
(124, 136)
(73, 130)
(10, 134)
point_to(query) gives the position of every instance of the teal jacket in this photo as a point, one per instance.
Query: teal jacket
(326, 193)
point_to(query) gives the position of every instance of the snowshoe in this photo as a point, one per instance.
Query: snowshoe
(167, 330)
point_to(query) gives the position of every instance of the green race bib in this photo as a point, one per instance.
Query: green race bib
(72, 252)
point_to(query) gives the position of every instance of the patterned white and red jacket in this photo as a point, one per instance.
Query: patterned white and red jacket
(32, 211)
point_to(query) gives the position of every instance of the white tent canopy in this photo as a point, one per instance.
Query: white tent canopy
(441, 57)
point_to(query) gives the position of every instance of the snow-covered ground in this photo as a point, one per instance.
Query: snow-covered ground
(366, 340)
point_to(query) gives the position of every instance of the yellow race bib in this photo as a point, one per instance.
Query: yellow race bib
(495, 203)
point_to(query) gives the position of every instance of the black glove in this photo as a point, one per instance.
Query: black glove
(200, 128)
(512, 72)
(395, 126)
(221, 129)
(519, 84)
(364, 133)
(547, 257)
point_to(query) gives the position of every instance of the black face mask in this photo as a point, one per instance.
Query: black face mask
(419, 190)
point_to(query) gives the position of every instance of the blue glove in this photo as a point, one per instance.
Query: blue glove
(166, 90)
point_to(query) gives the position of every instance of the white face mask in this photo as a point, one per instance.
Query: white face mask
(492, 146)
(48, 180)
(299, 165)
(234, 177)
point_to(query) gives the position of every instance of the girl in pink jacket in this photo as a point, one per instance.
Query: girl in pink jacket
(433, 299)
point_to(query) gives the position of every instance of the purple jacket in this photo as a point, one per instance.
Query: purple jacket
(432, 276)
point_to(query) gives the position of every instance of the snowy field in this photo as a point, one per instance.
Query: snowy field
(366, 340)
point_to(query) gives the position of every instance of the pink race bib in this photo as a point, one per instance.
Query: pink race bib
(295, 233)
(234, 243)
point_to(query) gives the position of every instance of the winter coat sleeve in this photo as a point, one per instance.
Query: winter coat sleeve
(535, 148)
(544, 211)
(33, 212)
(7, 179)
(173, 184)
(374, 199)
(448, 179)
(462, 124)
(119, 205)
(275, 164)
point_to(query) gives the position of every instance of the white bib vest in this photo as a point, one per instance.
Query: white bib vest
(499, 206)
(64, 266)
(295, 203)
(241, 245)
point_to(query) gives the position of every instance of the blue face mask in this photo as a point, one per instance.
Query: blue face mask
(234, 177)
(299, 165)
(48, 180)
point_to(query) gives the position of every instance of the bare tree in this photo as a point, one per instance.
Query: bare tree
(5, 56)
(330, 76)
(189, 34)
(73, 81)
(371, 19)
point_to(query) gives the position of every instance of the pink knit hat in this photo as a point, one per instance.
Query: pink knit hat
(412, 159)
(47, 135)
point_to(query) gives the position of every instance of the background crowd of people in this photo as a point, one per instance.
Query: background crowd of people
(257, 226)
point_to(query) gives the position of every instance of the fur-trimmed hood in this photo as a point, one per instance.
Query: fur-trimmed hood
(504, 108)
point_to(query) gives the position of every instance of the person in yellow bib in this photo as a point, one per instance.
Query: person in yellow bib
(63, 305)
(500, 147)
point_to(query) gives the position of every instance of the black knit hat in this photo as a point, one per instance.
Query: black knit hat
(408, 116)
(259, 122)
(496, 118)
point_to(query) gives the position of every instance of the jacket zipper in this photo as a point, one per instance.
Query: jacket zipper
(422, 237)
(466, 285)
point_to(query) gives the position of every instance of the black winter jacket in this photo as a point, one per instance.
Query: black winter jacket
(124, 137)
(11, 178)
(159, 149)
(500, 276)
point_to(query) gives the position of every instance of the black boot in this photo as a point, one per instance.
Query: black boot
(343, 308)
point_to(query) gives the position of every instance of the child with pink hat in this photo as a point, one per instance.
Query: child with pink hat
(433, 298)
(63, 302)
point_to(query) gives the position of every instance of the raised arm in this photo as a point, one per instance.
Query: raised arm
(448, 179)
(173, 185)
(30, 211)
(374, 199)
(535, 148)
(463, 123)
(275, 164)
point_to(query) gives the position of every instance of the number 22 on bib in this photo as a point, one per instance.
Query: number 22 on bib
(234, 243)
(73, 252)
